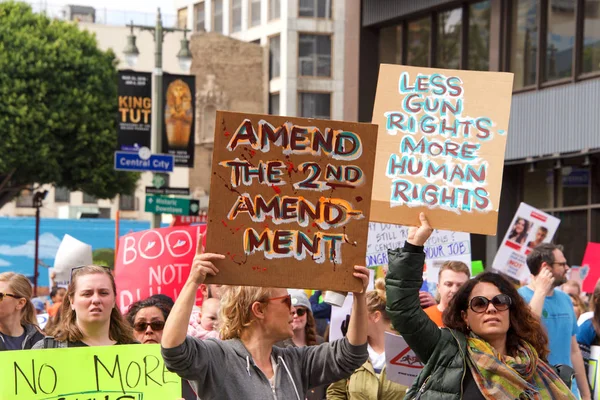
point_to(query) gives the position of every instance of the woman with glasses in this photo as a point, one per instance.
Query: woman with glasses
(246, 364)
(18, 323)
(493, 347)
(89, 313)
(147, 317)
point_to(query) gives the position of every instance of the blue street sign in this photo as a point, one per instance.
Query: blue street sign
(127, 161)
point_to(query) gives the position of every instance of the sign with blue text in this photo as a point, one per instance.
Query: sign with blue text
(129, 161)
(440, 148)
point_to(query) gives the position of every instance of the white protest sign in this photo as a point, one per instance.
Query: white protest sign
(529, 228)
(442, 246)
(71, 253)
(338, 316)
(401, 363)
(42, 320)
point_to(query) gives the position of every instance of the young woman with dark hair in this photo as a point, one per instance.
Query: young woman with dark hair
(493, 347)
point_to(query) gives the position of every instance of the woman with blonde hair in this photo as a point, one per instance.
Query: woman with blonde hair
(369, 382)
(18, 323)
(246, 364)
(90, 316)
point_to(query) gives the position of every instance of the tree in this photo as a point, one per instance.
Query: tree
(58, 107)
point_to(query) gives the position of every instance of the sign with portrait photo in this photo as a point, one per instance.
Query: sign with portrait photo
(530, 227)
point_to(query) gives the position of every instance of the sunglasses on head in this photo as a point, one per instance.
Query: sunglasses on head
(300, 312)
(74, 270)
(155, 325)
(287, 300)
(14, 296)
(479, 304)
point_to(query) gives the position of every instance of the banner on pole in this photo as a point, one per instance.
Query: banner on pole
(134, 121)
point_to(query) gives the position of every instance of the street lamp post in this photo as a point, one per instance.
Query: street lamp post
(185, 60)
(38, 198)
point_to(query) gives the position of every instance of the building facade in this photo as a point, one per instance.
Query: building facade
(313, 52)
(553, 48)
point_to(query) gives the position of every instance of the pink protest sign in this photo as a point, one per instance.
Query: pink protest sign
(591, 262)
(155, 261)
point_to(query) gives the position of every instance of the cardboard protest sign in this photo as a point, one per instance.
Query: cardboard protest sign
(107, 372)
(155, 261)
(289, 200)
(71, 253)
(529, 228)
(591, 267)
(442, 136)
(441, 246)
(401, 363)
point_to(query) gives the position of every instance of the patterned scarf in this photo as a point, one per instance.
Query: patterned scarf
(507, 378)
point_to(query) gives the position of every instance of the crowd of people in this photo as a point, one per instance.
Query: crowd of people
(484, 337)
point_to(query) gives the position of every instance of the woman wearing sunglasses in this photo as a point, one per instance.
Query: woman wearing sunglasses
(89, 313)
(493, 347)
(18, 324)
(147, 317)
(246, 364)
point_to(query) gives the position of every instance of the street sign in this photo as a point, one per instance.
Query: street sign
(159, 180)
(127, 161)
(168, 190)
(171, 205)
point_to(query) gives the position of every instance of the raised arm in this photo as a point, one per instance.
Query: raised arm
(403, 281)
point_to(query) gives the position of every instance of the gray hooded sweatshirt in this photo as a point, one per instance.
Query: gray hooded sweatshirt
(225, 369)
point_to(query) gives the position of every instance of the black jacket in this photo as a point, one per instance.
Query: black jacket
(32, 336)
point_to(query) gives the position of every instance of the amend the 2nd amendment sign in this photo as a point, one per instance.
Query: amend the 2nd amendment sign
(170, 205)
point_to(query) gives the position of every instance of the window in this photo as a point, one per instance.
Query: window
(315, 8)
(418, 42)
(182, 15)
(89, 199)
(274, 57)
(591, 37)
(448, 50)
(390, 45)
(218, 16)
(127, 202)
(560, 39)
(524, 42)
(199, 17)
(479, 36)
(255, 12)
(274, 104)
(62, 195)
(315, 105)
(314, 55)
(236, 15)
(274, 9)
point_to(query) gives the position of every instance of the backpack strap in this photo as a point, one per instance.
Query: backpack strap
(51, 343)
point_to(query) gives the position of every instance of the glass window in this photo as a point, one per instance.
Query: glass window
(479, 36)
(236, 15)
(390, 45)
(418, 42)
(538, 185)
(274, 9)
(449, 39)
(594, 164)
(591, 36)
(182, 14)
(62, 195)
(274, 104)
(254, 12)
(315, 105)
(315, 8)
(274, 57)
(560, 39)
(572, 234)
(524, 42)
(574, 186)
(89, 199)
(127, 202)
(199, 17)
(218, 16)
(314, 55)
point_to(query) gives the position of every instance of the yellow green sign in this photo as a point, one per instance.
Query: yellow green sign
(132, 372)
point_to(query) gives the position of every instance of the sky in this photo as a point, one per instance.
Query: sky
(166, 6)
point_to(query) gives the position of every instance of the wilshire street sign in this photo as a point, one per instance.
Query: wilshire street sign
(169, 205)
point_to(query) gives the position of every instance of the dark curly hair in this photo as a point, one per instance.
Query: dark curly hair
(152, 301)
(523, 324)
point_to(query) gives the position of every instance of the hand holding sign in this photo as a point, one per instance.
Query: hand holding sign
(202, 264)
(417, 236)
